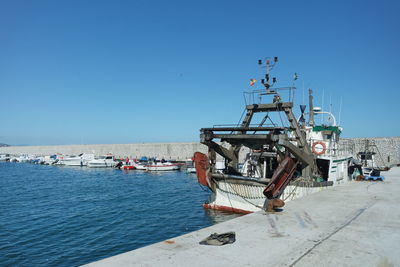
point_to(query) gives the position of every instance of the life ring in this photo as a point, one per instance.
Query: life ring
(319, 152)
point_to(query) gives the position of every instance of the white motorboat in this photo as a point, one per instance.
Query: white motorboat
(80, 160)
(49, 160)
(71, 161)
(139, 166)
(190, 168)
(23, 158)
(4, 157)
(13, 159)
(102, 162)
(162, 166)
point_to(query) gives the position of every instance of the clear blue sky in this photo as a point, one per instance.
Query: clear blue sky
(93, 71)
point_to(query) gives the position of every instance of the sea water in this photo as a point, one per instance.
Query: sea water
(69, 216)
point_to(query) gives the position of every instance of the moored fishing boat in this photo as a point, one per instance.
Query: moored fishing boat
(367, 164)
(282, 163)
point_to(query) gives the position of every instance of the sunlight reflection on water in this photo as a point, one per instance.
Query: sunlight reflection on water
(68, 216)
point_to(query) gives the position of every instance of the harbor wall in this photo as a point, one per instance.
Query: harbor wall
(176, 151)
(388, 149)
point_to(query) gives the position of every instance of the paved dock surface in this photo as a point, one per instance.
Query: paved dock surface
(357, 224)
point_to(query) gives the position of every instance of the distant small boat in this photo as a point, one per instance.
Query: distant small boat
(141, 163)
(80, 160)
(190, 168)
(49, 160)
(139, 166)
(102, 162)
(4, 157)
(162, 166)
(23, 158)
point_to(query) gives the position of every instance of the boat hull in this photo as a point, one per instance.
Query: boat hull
(169, 167)
(237, 196)
(245, 194)
(191, 170)
(128, 167)
(75, 162)
(100, 165)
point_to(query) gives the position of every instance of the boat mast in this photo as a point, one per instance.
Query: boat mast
(268, 66)
(310, 99)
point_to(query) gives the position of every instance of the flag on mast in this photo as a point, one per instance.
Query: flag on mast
(252, 82)
(295, 76)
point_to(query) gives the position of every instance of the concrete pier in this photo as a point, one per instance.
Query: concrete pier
(356, 224)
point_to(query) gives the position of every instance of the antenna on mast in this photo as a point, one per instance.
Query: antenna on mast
(266, 81)
(322, 115)
(311, 114)
(340, 108)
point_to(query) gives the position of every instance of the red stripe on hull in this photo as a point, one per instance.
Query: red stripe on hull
(160, 166)
(225, 208)
(128, 167)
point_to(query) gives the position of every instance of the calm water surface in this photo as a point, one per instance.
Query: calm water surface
(67, 216)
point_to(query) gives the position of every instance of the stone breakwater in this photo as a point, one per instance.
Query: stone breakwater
(177, 151)
(389, 148)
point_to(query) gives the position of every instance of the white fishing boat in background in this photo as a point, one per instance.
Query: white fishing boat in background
(102, 162)
(366, 160)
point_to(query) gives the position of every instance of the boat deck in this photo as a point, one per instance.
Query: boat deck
(354, 224)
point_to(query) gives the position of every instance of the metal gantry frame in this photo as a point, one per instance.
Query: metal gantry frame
(257, 138)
